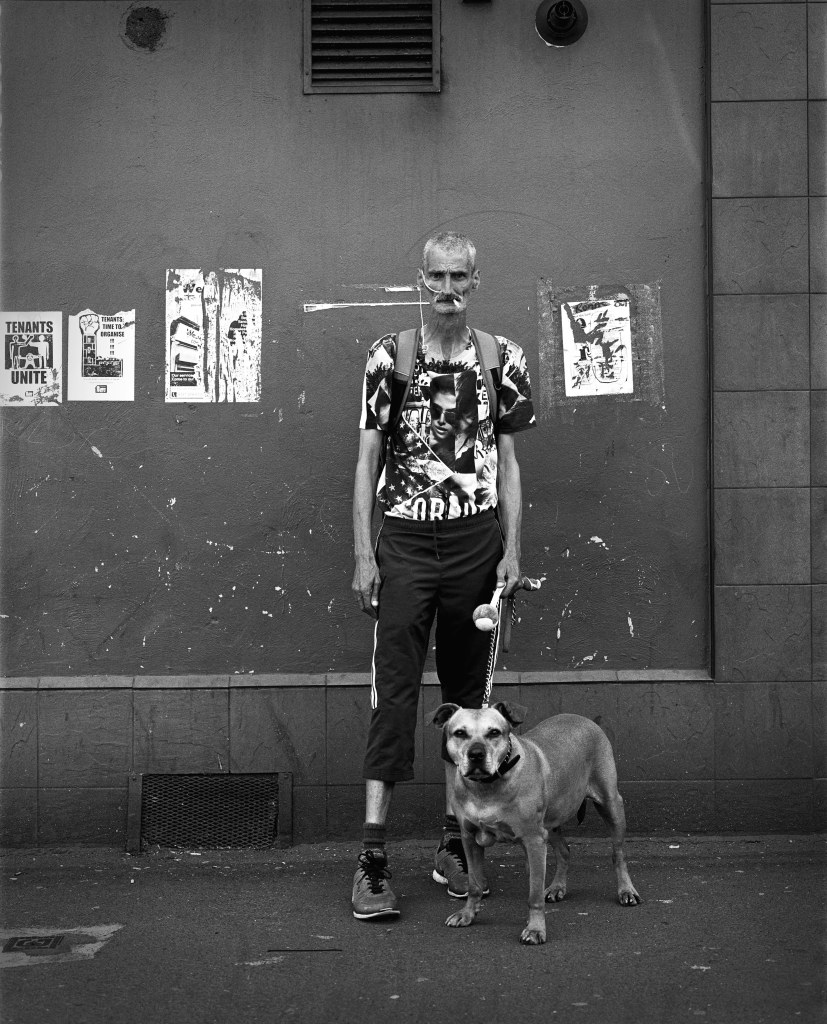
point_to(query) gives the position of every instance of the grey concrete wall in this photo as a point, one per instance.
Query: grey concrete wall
(212, 539)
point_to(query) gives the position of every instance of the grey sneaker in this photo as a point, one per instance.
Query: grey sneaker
(372, 896)
(450, 867)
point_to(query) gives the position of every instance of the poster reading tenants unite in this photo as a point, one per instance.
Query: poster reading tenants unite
(32, 369)
(213, 336)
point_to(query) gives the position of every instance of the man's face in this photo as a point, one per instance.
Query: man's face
(449, 278)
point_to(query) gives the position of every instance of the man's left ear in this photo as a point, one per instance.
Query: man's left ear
(475, 280)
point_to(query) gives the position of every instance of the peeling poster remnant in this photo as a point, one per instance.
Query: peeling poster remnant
(213, 336)
(32, 370)
(599, 342)
(101, 355)
(597, 347)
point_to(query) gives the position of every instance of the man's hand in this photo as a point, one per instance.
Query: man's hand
(508, 571)
(366, 584)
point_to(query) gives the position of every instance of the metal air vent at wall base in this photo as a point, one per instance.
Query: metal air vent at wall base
(210, 811)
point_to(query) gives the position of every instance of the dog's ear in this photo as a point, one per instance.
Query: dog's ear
(514, 713)
(443, 713)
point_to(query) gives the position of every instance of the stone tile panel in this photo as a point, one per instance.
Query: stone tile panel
(759, 245)
(819, 534)
(817, 50)
(84, 737)
(18, 738)
(759, 149)
(348, 718)
(818, 439)
(280, 729)
(768, 805)
(763, 731)
(665, 731)
(818, 340)
(18, 817)
(182, 731)
(763, 633)
(762, 439)
(86, 817)
(762, 535)
(761, 342)
(758, 52)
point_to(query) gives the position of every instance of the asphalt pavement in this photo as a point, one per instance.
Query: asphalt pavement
(732, 929)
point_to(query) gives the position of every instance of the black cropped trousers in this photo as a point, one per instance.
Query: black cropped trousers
(441, 569)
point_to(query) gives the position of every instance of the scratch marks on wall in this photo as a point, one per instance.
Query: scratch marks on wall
(213, 320)
(319, 306)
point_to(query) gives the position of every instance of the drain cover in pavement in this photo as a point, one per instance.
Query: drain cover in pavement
(25, 947)
(33, 944)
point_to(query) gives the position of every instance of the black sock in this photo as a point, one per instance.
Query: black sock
(450, 829)
(373, 836)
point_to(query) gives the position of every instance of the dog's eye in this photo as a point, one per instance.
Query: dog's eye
(461, 734)
(493, 734)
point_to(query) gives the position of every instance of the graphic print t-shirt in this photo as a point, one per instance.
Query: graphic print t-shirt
(441, 461)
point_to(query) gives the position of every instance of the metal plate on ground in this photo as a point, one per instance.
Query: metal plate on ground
(26, 947)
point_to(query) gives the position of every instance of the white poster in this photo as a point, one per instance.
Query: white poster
(102, 356)
(597, 347)
(213, 336)
(32, 372)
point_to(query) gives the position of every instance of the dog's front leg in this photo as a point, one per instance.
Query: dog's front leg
(475, 857)
(534, 933)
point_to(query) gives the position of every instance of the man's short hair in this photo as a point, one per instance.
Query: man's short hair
(452, 241)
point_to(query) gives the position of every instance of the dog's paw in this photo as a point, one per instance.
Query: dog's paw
(555, 893)
(533, 936)
(460, 920)
(629, 897)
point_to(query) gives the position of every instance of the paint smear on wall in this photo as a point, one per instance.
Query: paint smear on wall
(102, 356)
(32, 368)
(213, 334)
(599, 343)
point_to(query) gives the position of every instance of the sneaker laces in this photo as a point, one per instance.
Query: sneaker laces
(452, 845)
(375, 869)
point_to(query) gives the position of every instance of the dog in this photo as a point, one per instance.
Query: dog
(521, 789)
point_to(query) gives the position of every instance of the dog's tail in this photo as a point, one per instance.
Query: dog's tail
(606, 726)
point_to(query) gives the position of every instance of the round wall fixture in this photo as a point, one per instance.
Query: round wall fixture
(561, 22)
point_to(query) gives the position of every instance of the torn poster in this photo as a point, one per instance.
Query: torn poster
(597, 341)
(213, 336)
(32, 372)
(101, 356)
(597, 347)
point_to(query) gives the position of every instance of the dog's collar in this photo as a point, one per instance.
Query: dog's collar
(506, 765)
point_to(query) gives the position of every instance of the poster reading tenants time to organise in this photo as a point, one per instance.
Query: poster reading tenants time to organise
(102, 356)
(32, 370)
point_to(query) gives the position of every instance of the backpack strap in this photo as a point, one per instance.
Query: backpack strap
(407, 345)
(489, 356)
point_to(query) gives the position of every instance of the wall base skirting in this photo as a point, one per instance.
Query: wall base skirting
(693, 756)
(220, 682)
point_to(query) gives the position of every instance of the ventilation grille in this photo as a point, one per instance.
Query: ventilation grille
(210, 811)
(371, 46)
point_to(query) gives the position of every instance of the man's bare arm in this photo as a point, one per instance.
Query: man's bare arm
(509, 491)
(366, 574)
